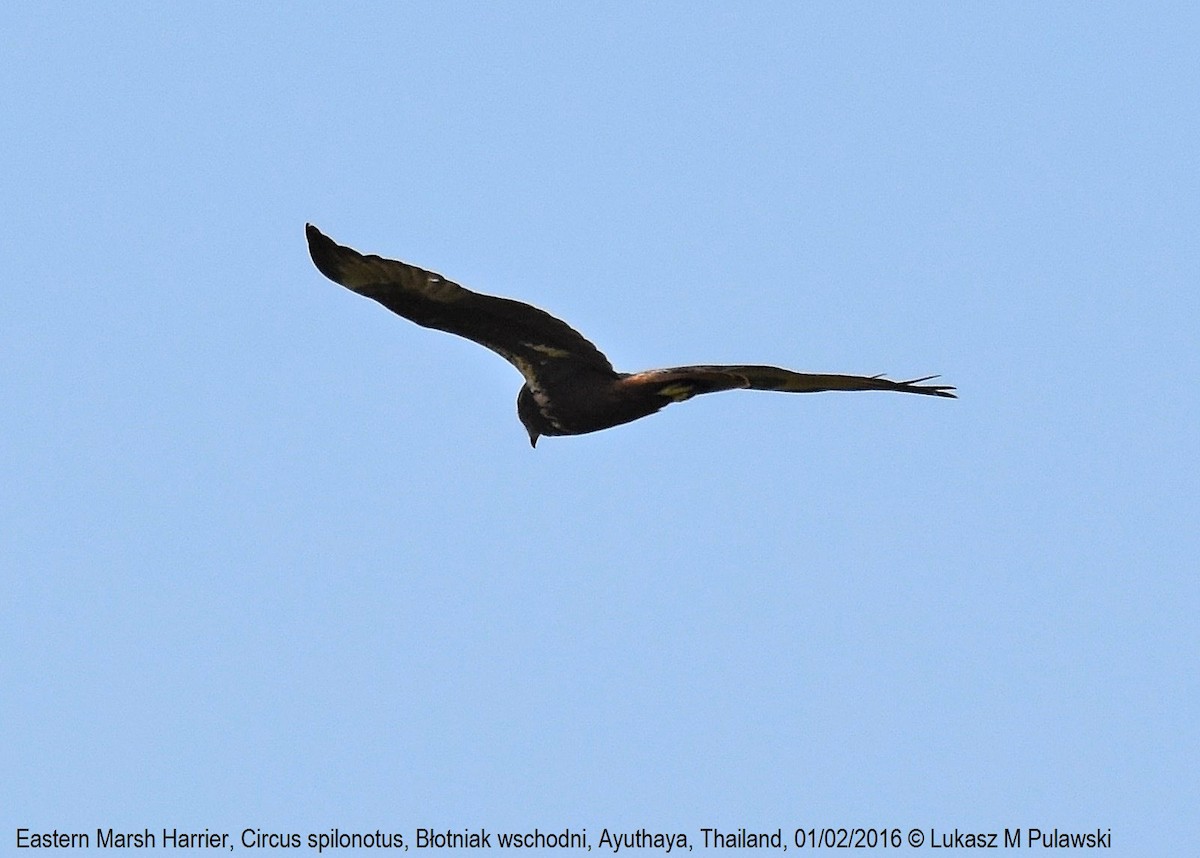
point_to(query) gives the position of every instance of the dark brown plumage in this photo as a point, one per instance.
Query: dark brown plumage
(570, 387)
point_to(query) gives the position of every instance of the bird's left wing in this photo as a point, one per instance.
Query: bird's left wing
(683, 382)
(525, 336)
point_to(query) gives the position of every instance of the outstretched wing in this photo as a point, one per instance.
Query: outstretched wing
(525, 336)
(683, 382)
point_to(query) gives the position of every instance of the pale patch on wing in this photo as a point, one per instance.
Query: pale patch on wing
(678, 392)
(441, 289)
(544, 403)
(682, 383)
(548, 351)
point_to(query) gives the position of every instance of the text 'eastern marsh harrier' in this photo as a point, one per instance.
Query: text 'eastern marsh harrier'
(570, 387)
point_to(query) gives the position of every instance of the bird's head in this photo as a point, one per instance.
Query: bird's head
(531, 415)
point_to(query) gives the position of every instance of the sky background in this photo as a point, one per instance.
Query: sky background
(273, 557)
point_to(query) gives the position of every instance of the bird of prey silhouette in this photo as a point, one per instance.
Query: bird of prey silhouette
(570, 387)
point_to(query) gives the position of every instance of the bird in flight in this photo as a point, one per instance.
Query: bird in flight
(570, 386)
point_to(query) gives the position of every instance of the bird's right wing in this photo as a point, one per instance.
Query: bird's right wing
(527, 337)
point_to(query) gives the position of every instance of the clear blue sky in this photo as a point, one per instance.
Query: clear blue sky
(273, 557)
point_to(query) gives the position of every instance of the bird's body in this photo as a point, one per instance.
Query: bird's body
(570, 386)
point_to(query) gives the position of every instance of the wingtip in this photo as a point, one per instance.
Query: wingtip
(323, 251)
(943, 390)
